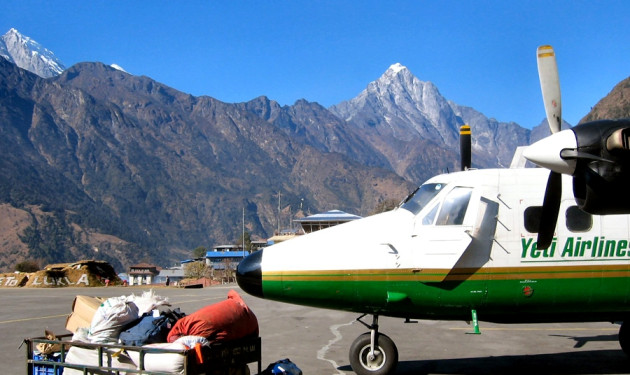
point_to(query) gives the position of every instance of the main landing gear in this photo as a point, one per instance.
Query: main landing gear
(373, 353)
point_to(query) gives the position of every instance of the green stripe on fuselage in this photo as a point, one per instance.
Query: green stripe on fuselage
(518, 294)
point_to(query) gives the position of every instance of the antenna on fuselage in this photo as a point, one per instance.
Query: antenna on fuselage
(464, 147)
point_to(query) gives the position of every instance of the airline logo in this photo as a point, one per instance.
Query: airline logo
(576, 248)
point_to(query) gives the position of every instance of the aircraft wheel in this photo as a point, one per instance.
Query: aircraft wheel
(624, 338)
(383, 362)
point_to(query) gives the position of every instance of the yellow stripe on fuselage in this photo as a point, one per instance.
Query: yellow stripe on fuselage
(458, 274)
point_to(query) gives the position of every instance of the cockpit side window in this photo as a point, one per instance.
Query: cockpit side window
(454, 207)
(429, 218)
(416, 202)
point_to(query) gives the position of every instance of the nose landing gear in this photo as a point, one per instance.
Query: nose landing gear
(373, 353)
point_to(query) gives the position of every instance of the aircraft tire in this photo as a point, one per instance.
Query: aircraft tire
(624, 338)
(385, 361)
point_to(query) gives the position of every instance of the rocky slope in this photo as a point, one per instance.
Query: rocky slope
(104, 154)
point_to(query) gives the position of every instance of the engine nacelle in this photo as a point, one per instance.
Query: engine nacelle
(601, 181)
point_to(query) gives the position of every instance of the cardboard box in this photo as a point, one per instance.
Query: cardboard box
(83, 309)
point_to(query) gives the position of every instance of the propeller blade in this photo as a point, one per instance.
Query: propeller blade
(550, 86)
(550, 209)
(464, 147)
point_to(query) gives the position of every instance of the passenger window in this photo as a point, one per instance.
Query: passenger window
(578, 220)
(454, 207)
(531, 218)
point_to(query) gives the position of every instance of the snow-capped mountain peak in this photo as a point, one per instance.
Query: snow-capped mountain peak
(400, 104)
(118, 67)
(396, 68)
(30, 55)
(402, 108)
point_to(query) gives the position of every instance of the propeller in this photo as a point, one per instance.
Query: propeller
(550, 209)
(596, 154)
(550, 87)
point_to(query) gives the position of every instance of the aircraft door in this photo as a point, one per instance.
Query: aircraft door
(483, 234)
(442, 235)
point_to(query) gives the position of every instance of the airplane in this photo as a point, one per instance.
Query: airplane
(464, 246)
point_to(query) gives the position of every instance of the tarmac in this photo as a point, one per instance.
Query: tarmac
(317, 340)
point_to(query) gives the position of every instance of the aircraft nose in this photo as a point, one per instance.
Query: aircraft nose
(249, 274)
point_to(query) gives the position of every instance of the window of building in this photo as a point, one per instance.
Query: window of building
(578, 220)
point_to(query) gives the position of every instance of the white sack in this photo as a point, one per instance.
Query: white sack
(110, 318)
(82, 356)
(191, 341)
(148, 301)
(164, 362)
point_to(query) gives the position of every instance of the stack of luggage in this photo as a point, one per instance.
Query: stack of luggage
(153, 337)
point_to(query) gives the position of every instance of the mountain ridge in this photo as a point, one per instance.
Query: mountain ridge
(164, 164)
(407, 118)
(30, 55)
(101, 163)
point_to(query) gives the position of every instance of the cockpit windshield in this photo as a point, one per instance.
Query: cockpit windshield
(419, 199)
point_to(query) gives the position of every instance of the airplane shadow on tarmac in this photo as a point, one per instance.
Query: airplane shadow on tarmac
(578, 362)
(581, 341)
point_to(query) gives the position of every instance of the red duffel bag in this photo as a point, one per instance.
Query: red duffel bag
(223, 321)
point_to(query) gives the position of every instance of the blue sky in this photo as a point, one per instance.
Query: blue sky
(479, 53)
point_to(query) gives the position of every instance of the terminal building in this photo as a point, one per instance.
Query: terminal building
(324, 220)
(313, 223)
(226, 259)
(143, 274)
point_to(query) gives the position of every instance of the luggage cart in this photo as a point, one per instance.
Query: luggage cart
(217, 358)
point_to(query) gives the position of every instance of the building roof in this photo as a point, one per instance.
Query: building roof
(192, 260)
(145, 265)
(225, 247)
(226, 254)
(333, 215)
(144, 269)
